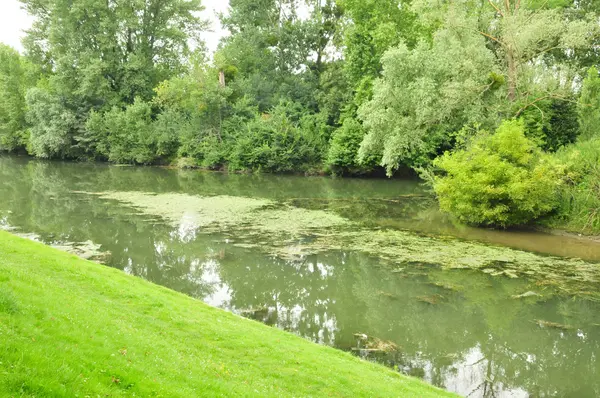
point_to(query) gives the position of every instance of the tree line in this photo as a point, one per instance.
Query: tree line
(495, 102)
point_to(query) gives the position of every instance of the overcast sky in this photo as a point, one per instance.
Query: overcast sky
(13, 20)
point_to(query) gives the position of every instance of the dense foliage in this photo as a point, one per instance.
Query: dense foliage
(579, 197)
(13, 83)
(498, 179)
(339, 86)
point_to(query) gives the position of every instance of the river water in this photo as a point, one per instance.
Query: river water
(297, 253)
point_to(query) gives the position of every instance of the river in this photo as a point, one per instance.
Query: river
(365, 265)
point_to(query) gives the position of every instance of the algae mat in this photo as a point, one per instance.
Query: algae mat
(293, 233)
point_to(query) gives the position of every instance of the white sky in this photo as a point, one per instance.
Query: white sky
(13, 20)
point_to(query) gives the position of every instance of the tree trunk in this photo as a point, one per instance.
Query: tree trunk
(512, 74)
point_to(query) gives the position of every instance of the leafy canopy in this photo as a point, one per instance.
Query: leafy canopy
(426, 93)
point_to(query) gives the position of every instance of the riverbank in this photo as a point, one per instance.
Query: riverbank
(70, 327)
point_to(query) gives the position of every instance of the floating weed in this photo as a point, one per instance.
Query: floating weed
(198, 211)
(87, 250)
(433, 300)
(293, 233)
(216, 213)
(399, 248)
(295, 221)
(526, 295)
(552, 325)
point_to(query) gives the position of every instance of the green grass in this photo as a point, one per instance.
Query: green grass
(69, 327)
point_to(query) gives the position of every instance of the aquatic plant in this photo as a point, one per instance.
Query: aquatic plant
(293, 233)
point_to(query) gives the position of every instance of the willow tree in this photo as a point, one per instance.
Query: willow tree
(489, 60)
(427, 92)
(13, 83)
(525, 33)
(589, 106)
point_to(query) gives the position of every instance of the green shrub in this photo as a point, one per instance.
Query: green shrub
(53, 125)
(274, 143)
(345, 143)
(342, 156)
(552, 123)
(96, 135)
(204, 145)
(132, 136)
(579, 208)
(499, 179)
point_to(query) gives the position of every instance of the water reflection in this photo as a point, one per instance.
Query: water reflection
(460, 330)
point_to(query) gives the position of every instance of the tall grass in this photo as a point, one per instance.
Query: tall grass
(579, 208)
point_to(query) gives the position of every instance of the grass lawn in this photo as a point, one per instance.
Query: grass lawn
(69, 327)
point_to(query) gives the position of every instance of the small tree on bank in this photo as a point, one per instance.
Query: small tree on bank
(499, 180)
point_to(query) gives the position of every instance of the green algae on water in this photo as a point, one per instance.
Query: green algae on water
(293, 233)
(400, 249)
(220, 213)
(87, 250)
(197, 210)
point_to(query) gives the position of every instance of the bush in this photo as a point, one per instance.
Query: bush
(131, 136)
(499, 179)
(201, 143)
(579, 208)
(345, 143)
(552, 123)
(96, 136)
(342, 156)
(274, 143)
(53, 126)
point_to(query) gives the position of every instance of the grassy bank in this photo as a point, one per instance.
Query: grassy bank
(69, 327)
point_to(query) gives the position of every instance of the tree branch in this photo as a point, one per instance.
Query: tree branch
(542, 52)
(533, 103)
(496, 8)
(492, 37)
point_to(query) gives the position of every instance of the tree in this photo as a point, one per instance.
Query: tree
(268, 47)
(588, 106)
(13, 84)
(98, 50)
(101, 54)
(373, 27)
(324, 31)
(421, 100)
(524, 34)
(196, 105)
(429, 92)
